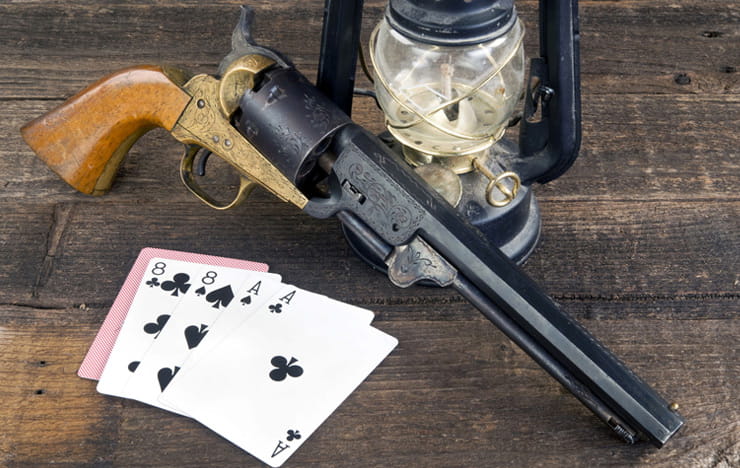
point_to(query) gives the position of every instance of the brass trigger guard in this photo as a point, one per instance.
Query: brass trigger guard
(186, 175)
(207, 126)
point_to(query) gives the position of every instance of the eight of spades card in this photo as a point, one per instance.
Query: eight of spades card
(255, 291)
(275, 378)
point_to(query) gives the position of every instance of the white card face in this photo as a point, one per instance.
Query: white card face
(291, 302)
(97, 356)
(222, 292)
(276, 378)
(276, 300)
(257, 290)
(164, 285)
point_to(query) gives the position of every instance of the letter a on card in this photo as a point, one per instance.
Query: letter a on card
(288, 297)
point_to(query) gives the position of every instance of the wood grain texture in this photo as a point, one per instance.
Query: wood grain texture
(640, 242)
(85, 139)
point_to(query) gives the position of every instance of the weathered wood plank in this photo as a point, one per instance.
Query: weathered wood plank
(439, 400)
(695, 158)
(48, 415)
(640, 243)
(621, 250)
(638, 46)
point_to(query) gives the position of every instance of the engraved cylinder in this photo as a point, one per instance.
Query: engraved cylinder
(286, 117)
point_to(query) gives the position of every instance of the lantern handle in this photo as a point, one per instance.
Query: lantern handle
(550, 134)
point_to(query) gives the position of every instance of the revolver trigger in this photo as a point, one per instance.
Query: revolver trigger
(200, 169)
(187, 176)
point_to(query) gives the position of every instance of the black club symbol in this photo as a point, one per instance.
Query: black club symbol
(179, 284)
(276, 308)
(284, 368)
(293, 435)
(155, 328)
(153, 282)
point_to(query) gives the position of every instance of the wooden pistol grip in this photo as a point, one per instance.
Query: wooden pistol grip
(85, 139)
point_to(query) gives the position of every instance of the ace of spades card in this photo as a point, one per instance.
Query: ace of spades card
(268, 385)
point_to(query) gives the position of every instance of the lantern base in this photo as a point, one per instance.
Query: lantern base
(514, 228)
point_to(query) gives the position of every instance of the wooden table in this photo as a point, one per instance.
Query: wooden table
(640, 242)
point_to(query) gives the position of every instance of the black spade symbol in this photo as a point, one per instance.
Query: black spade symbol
(165, 376)
(194, 335)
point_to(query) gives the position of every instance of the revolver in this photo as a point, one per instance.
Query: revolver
(277, 130)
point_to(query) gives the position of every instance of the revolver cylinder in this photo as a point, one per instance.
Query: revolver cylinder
(285, 116)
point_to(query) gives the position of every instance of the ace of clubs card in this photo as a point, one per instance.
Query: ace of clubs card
(269, 384)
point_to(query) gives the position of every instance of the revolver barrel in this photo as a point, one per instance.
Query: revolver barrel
(394, 203)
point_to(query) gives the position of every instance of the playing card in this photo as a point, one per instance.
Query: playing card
(276, 378)
(291, 302)
(94, 362)
(273, 301)
(165, 284)
(258, 289)
(151, 310)
(222, 293)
